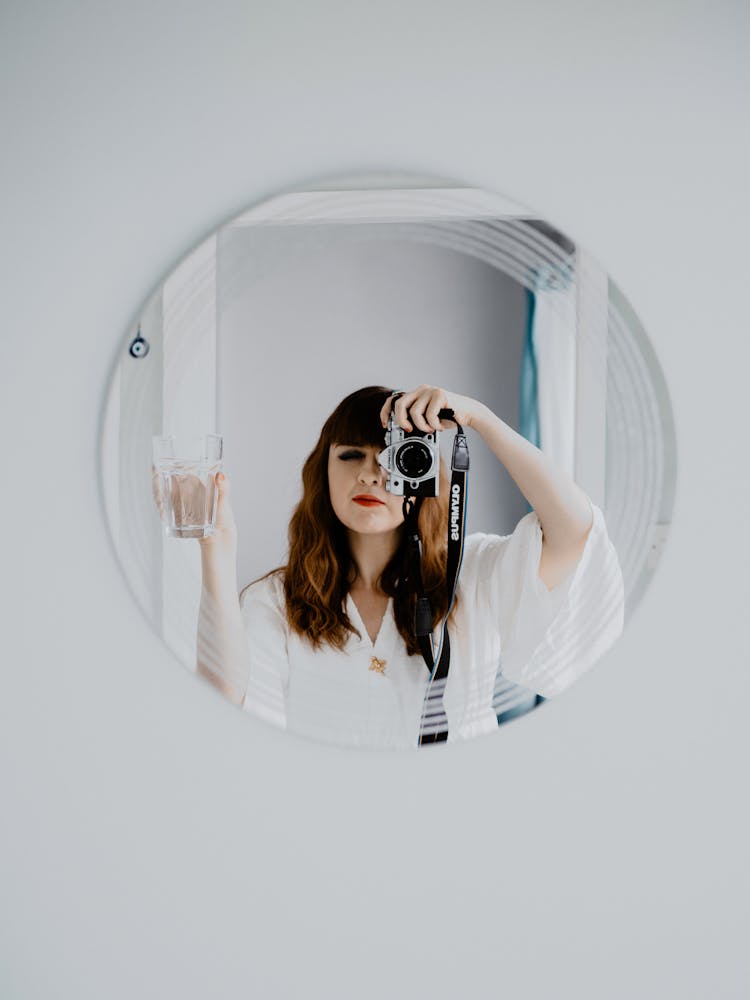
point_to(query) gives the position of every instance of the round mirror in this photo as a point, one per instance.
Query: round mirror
(342, 580)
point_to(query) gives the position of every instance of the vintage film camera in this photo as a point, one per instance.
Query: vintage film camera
(412, 461)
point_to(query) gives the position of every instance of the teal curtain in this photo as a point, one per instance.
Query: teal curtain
(528, 393)
(528, 423)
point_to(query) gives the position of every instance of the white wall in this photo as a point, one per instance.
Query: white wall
(158, 842)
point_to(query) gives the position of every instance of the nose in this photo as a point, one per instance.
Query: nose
(371, 471)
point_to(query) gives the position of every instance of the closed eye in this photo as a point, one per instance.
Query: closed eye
(350, 454)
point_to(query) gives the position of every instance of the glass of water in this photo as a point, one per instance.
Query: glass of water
(184, 469)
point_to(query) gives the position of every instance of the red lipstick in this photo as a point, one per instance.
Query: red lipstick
(366, 500)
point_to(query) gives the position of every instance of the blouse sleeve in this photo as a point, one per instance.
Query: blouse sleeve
(264, 619)
(549, 638)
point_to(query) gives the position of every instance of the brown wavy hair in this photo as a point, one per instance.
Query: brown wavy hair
(316, 576)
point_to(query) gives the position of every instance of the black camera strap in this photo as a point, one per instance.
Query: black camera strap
(434, 723)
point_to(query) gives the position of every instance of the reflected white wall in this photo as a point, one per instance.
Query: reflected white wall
(396, 313)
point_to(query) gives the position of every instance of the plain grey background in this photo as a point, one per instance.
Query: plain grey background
(156, 841)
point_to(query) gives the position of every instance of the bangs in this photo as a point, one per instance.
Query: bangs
(356, 420)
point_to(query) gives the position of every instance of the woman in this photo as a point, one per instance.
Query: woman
(323, 646)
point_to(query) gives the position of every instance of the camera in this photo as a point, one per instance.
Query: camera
(412, 461)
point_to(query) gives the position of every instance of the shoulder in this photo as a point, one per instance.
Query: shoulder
(269, 589)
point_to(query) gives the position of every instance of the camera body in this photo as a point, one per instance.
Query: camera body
(412, 461)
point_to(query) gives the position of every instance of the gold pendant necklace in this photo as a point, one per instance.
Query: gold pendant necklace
(377, 665)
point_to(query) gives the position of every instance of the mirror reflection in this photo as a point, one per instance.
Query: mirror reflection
(327, 582)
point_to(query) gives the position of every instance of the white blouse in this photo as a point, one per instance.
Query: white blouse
(511, 637)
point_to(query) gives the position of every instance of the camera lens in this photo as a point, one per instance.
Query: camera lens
(413, 460)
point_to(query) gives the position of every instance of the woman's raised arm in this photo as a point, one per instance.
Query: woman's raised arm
(563, 508)
(222, 652)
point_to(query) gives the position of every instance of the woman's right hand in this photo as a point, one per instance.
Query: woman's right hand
(224, 538)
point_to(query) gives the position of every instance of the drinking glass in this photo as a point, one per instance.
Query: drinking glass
(184, 469)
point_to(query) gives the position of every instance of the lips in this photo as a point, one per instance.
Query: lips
(368, 501)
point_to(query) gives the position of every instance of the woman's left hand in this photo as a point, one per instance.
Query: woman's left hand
(423, 405)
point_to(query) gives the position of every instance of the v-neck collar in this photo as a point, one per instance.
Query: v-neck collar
(383, 631)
